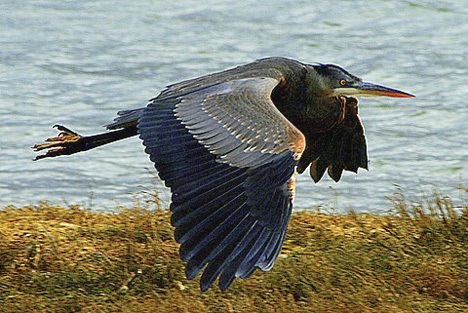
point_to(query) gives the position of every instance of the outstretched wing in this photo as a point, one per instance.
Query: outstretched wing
(229, 157)
(343, 147)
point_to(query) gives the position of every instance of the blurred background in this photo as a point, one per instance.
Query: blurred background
(77, 63)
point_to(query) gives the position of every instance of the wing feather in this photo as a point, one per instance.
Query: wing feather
(229, 157)
(242, 108)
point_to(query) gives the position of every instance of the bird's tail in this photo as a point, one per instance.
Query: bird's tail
(126, 118)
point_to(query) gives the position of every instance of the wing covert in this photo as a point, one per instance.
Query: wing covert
(237, 121)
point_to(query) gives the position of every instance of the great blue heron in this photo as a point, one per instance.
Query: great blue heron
(229, 145)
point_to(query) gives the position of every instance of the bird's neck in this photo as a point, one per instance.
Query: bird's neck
(308, 108)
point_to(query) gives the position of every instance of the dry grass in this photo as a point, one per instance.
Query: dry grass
(55, 259)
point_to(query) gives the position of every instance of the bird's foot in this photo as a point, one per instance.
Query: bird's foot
(63, 144)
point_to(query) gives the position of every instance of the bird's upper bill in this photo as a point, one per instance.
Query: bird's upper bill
(365, 89)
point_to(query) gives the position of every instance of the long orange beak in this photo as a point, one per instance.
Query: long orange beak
(373, 90)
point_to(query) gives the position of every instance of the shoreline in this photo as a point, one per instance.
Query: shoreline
(57, 259)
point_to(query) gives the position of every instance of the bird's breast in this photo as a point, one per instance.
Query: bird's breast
(322, 114)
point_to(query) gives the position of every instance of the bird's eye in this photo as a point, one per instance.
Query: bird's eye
(343, 82)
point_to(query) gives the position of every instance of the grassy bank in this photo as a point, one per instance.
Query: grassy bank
(55, 259)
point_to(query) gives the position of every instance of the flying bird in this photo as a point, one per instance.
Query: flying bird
(229, 145)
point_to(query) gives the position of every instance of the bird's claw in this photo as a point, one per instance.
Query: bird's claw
(59, 145)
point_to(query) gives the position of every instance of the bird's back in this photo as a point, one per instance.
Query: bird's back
(274, 67)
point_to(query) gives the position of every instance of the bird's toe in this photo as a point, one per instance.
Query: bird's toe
(59, 144)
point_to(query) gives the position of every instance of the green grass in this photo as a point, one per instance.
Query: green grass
(55, 259)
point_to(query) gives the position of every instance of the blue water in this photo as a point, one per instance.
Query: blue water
(78, 62)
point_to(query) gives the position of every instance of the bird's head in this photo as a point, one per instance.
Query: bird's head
(336, 81)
